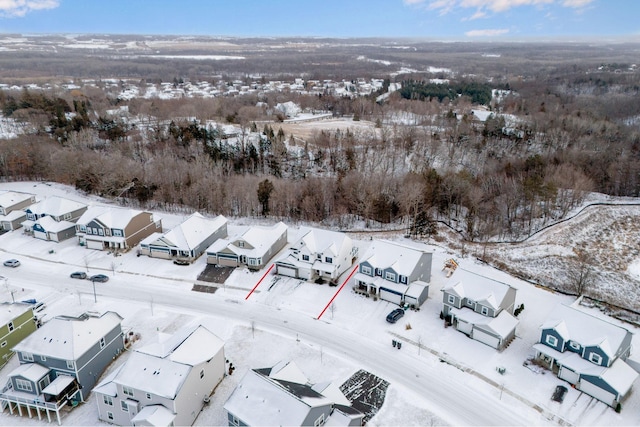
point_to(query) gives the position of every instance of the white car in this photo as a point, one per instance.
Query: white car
(11, 263)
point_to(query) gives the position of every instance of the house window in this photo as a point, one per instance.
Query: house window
(595, 358)
(27, 356)
(44, 383)
(328, 260)
(552, 341)
(366, 270)
(94, 230)
(23, 385)
(101, 231)
(319, 421)
(124, 406)
(10, 326)
(470, 303)
(403, 280)
(70, 364)
(390, 276)
(253, 261)
(43, 358)
(83, 228)
(110, 415)
(241, 244)
(451, 299)
(484, 311)
(234, 420)
(378, 272)
(102, 342)
(107, 232)
(574, 345)
(202, 374)
(148, 396)
(117, 233)
(108, 400)
(127, 391)
(4, 344)
(67, 216)
(305, 257)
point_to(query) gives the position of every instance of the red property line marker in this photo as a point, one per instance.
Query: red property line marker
(259, 281)
(336, 294)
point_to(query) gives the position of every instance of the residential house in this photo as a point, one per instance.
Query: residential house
(17, 321)
(11, 205)
(283, 396)
(254, 247)
(588, 352)
(165, 383)
(318, 255)
(53, 218)
(115, 228)
(61, 362)
(188, 240)
(482, 309)
(394, 273)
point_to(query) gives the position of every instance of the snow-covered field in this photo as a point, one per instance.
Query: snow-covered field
(438, 377)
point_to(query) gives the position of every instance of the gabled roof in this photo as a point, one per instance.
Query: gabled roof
(585, 329)
(68, 338)
(110, 217)
(260, 238)
(384, 254)
(30, 371)
(189, 346)
(321, 241)
(9, 198)
(55, 206)
(154, 415)
(50, 224)
(191, 232)
(485, 291)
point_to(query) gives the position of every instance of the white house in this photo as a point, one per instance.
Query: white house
(318, 254)
(164, 383)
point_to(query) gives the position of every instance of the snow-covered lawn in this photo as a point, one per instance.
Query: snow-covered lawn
(438, 377)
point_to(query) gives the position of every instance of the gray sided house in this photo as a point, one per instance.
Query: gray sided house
(318, 254)
(61, 362)
(53, 218)
(117, 229)
(394, 273)
(254, 247)
(187, 241)
(164, 383)
(588, 352)
(283, 396)
(12, 204)
(17, 322)
(483, 310)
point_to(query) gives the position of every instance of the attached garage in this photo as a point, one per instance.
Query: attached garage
(391, 296)
(568, 375)
(40, 235)
(287, 271)
(595, 391)
(486, 338)
(227, 260)
(95, 244)
(464, 326)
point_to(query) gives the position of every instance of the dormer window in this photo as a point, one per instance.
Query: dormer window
(551, 340)
(390, 276)
(240, 244)
(403, 279)
(595, 358)
(366, 270)
(484, 311)
(574, 345)
(328, 260)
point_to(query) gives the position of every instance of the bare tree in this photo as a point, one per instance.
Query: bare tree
(581, 274)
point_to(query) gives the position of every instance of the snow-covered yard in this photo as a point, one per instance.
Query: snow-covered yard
(438, 377)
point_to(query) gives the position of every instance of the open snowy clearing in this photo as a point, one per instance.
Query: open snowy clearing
(438, 377)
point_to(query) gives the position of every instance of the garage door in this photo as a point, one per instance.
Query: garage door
(568, 375)
(95, 244)
(389, 295)
(484, 337)
(288, 271)
(597, 392)
(465, 327)
(40, 235)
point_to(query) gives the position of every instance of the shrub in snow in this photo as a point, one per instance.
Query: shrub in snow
(289, 109)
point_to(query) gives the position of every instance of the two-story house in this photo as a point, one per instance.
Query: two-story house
(12, 204)
(283, 396)
(188, 240)
(482, 309)
(115, 228)
(588, 352)
(319, 255)
(254, 247)
(394, 273)
(17, 321)
(53, 218)
(164, 383)
(61, 362)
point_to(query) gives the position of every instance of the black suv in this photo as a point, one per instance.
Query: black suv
(395, 315)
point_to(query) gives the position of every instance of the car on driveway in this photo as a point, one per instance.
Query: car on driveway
(395, 315)
(180, 261)
(78, 275)
(11, 263)
(99, 278)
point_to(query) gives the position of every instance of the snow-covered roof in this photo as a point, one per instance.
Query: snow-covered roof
(191, 232)
(154, 415)
(50, 224)
(68, 338)
(620, 376)
(321, 241)
(9, 311)
(384, 254)
(55, 206)
(189, 346)
(260, 238)
(585, 329)
(58, 385)
(501, 325)
(488, 292)
(10, 198)
(13, 215)
(110, 217)
(30, 371)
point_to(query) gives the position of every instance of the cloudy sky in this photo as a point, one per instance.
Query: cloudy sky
(434, 19)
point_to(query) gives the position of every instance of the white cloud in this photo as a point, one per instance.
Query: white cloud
(486, 33)
(14, 8)
(496, 6)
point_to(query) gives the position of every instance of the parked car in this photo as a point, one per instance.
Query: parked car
(395, 315)
(78, 275)
(181, 262)
(99, 278)
(11, 263)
